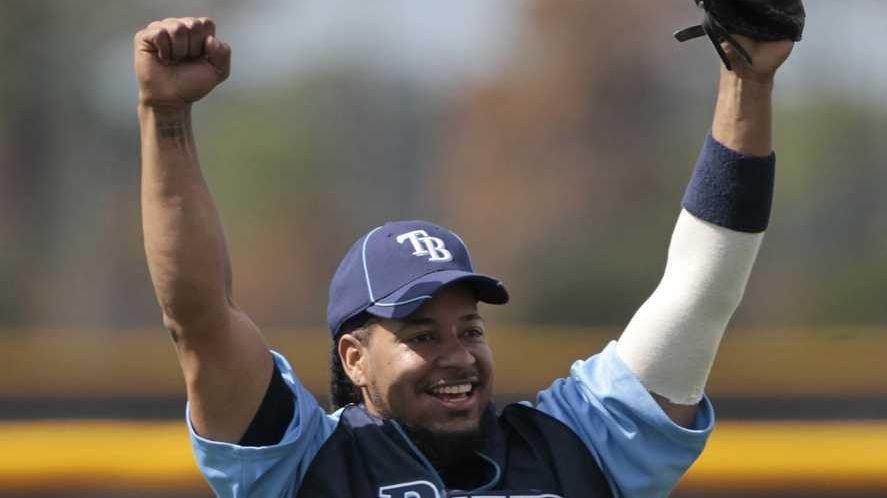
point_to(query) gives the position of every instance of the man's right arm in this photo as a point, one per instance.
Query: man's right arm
(226, 364)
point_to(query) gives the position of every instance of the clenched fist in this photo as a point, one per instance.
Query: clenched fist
(178, 61)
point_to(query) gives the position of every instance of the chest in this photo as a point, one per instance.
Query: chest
(530, 455)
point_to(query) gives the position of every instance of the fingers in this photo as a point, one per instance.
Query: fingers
(176, 40)
(154, 40)
(209, 26)
(198, 29)
(219, 55)
(195, 40)
(178, 33)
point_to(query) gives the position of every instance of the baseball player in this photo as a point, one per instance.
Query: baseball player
(412, 370)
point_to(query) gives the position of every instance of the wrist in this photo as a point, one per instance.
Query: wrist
(166, 124)
(731, 189)
(743, 115)
(760, 82)
(170, 109)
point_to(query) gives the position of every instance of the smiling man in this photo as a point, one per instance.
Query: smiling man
(412, 370)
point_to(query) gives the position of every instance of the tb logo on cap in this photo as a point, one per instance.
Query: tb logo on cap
(425, 245)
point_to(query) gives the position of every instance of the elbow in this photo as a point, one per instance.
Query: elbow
(191, 314)
(715, 293)
(718, 302)
(706, 299)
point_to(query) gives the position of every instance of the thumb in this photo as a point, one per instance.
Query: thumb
(218, 54)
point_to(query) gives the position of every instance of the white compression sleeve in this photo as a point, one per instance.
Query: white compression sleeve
(671, 341)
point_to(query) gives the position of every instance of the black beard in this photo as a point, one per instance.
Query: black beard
(445, 448)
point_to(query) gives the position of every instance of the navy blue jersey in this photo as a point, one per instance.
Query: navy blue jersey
(594, 432)
(526, 453)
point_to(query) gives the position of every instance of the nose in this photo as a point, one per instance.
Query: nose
(454, 354)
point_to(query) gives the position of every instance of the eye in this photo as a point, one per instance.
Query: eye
(474, 332)
(421, 338)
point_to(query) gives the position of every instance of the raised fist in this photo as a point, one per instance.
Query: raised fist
(178, 61)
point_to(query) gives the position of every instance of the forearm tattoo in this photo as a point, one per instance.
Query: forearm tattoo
(172, 129)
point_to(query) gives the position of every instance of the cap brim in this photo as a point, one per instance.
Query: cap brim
(407, 299)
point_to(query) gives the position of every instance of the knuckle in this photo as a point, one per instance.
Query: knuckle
(177, 29)
(148, 34)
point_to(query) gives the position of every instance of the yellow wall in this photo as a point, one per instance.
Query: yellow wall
(820, 362)
(742, 457)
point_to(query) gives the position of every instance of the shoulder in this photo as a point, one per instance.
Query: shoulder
(268, 470)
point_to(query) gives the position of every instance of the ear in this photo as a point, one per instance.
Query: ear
(352, 354)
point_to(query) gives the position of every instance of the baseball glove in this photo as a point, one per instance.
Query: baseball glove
(765, 20)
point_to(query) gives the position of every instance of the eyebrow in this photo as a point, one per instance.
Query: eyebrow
(422, 320)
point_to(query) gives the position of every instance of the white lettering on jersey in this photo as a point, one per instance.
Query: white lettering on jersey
(415, 489)
(547, 495)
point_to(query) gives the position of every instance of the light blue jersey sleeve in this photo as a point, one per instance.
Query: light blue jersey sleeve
(235, 471)
(641, 450)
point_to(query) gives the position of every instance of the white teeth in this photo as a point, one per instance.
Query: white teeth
(456, 389)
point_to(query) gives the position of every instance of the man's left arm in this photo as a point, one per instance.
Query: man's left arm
(646, 443)
(671, 342)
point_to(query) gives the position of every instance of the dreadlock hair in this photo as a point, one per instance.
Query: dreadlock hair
(343, 392)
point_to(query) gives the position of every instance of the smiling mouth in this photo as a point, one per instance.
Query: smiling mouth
(454, 393)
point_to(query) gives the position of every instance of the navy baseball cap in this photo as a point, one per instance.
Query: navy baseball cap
(393, 269)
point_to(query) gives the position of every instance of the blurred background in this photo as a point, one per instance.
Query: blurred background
(555, 136)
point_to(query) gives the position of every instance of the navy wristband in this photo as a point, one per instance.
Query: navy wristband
(731, 189)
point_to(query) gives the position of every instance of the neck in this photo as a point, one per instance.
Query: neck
(453, 455)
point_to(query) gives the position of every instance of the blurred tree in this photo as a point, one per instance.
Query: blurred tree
(565, 174)
(71, 253)
(555, 164)
(301, 170)
(24, 157)
(563, 171)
